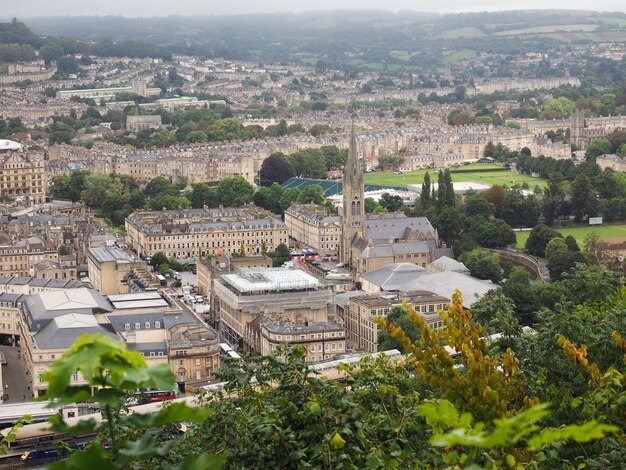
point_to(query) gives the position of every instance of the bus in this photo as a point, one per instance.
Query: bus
(143, 397)
(162, 280)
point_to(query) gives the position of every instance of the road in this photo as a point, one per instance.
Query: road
(14, 379)
(189, 278)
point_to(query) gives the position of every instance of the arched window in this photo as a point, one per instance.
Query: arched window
(353, 208)
(358, 208)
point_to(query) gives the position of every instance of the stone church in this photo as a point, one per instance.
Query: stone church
(369, 243)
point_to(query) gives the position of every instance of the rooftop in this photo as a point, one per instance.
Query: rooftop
(250, 280)
(109, 253)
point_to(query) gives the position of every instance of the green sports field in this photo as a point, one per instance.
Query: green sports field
(485, 173)
(609, 233)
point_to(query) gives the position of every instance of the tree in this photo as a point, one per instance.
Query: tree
(555, 247)
(282, 128)
(158, 259)
(168, 202)
(196, 136)
(400, 319)
(234, 191)
(312, 194)
(64, 250)
(280, 255)
(450, 198)
(160, 186)
(572, 244)
(495, 234)
(390, 162)
(96, 187)
(370, 205)
(477, 206)
(290, 195)
(201, 194)
(106, 365)
(227, 129)
(495, 195)
(425, 194)
(450, 224)
(68, 64)
(598, 147)
(562, 107)
(482, 264)
(496, 313)
(584, 199)
(459, 117)
(539, 238)
(275, 169)
(391, 203)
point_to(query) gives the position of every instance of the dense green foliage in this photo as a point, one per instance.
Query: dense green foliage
(581, 190)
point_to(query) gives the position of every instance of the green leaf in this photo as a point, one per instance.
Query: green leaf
(200, 462)
(57, 424)
(337, 442)
(94, 457)
(586, 432)
(172, 413)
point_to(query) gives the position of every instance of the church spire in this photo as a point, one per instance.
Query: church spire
(353, 220)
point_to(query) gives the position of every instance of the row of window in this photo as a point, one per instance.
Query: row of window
(157, 324)
(327, 347)
(311, 336)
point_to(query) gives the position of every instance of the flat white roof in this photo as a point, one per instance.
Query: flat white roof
(271, 279)
(125, 305)
(134, 296)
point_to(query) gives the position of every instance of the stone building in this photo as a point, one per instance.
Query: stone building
(311, 225)
(109, 268)
(361, 310)
(191, 233)
(23, 175)
(261, 308)
(353, 214)
(138, 123)
(19, 258)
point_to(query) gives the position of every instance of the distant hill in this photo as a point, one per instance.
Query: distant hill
(367, 38)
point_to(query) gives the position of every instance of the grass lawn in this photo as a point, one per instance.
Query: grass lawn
(610, 233)
(455, 56)
(485, 173)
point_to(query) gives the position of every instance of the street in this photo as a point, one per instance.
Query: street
(14, 380)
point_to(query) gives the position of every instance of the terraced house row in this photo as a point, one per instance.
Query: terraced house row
(200, 232)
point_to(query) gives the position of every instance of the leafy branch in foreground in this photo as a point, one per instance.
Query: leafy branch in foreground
(114, 373)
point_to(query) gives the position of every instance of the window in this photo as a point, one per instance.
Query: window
(181, 362)
(333, 346)
(312, 348)
(157, 324)
(198, 374)
(160, 353)
(40, 378)
(197, 361)
(152, 353)
(127, 326)
(147, 325)
(319, 347)
(137, 326)
(75, 377)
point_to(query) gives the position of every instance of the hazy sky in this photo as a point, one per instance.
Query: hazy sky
(26, 8)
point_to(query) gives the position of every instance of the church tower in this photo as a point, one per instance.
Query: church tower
(353, 220)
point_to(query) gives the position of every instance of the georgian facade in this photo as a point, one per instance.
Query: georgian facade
(201, 232)
(23, 175)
